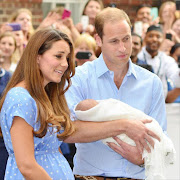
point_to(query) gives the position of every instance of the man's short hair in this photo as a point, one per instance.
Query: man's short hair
(109, 14)
(173, 49)
(154, 28)
(142, 6)
(135, 34)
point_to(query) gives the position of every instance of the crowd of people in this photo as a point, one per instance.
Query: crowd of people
(45, 72)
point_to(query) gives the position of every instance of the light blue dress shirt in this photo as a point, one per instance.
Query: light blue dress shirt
(140, 88)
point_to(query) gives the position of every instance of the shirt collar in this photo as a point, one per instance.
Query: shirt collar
(131, 69)
(101, 67)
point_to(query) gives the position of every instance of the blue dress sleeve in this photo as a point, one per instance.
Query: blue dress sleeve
(20, 103)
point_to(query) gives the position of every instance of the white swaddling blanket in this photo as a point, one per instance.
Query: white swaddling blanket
(163, 153)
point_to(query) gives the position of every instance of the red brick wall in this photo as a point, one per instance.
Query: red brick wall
(7, 7)
(129, 6)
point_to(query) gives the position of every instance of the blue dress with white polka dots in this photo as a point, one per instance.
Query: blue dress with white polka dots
(19, 102)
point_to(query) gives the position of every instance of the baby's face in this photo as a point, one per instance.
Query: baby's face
(86, 105)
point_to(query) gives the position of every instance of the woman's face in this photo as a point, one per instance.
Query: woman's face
(7, 46)
(25, 20)
(168, 11)
(176, 27)
(54, 62)
(92, 9)
(19, 37)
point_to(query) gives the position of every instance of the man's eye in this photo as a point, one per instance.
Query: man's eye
(126, 39)
(114, 41)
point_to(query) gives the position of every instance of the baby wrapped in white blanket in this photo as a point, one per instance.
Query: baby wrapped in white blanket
(112, 109)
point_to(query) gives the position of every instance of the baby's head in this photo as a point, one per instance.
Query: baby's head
(86, 105)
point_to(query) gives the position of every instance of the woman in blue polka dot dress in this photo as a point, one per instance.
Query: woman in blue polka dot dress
(34, 114)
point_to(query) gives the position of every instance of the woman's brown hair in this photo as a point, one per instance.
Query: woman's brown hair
(51, 103)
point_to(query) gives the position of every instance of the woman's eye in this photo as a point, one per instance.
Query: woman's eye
(58, 56)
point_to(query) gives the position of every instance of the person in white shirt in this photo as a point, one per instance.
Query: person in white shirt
(163, 66)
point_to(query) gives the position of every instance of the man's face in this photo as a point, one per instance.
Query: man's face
(153, 40)
(136, 45)
(116, 43)
(144, 15)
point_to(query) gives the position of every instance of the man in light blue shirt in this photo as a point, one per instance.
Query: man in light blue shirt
(113, 75)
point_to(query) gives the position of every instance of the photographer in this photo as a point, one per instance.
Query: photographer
(85, 49)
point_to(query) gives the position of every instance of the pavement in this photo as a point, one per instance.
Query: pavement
(173, 129)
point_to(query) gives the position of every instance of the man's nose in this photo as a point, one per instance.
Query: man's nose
(155, 38)
(122, 47)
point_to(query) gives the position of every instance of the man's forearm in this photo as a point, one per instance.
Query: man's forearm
(93, 131)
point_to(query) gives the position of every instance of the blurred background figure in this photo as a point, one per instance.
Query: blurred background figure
(19, 37)
(173, 95)
(7, 48)
(167, 15)
(56, 19)
(87, 44)
(167, 18)
(163, 66)
(143, 14)
(4, 79)
(4, 75)
(23, 16)
(176, 27)
(136, 47)
(91, 8)
(175, 52)
(143, 20)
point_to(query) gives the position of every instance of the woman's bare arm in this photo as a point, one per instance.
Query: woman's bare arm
(23, 145)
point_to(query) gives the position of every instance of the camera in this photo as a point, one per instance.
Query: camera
(83, 55)
(66, 14)
(169, 36)
(15, 26)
